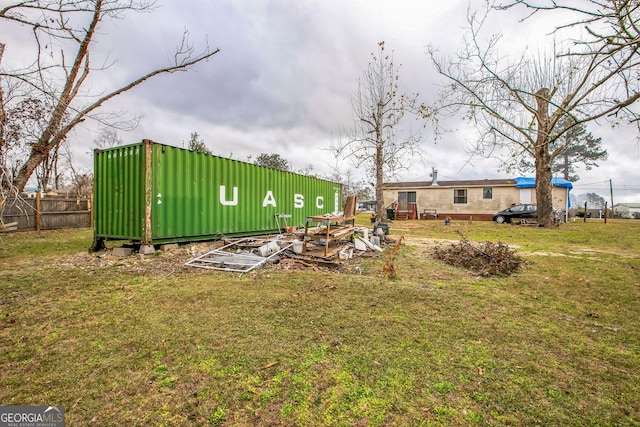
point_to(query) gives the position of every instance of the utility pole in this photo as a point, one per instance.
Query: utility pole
(611, 193)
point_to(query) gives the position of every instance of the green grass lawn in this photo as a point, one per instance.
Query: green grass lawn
(151, 342)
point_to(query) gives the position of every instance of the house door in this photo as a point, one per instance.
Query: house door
(406, 200)
(525, 195)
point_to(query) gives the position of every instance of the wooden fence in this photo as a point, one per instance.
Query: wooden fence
(46, 213)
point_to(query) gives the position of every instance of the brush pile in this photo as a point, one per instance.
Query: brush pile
(485, 259)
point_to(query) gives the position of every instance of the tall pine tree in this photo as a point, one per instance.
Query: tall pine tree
(577, 146)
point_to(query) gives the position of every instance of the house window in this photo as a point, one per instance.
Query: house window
(460, 196)
(406, 200)
(487, 193)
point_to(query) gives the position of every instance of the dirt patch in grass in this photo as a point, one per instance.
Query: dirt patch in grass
(427, 243)
(163, 264)
(541, 253)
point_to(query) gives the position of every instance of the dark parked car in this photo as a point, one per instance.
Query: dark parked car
(521, 211)
(515, 212)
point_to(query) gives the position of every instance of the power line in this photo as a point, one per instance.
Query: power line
(605, 187)
(593, 183)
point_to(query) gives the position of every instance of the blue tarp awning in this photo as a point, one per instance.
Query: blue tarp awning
(525, 182)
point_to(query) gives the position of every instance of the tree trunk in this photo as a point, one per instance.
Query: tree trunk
(25, 172)
(544, 196)
(381, 212)
(5, 180)
(3, 115)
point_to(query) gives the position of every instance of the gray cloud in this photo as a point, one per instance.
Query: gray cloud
(279, 63)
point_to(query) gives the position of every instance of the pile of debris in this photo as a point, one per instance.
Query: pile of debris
(485, 259)
(246, 254)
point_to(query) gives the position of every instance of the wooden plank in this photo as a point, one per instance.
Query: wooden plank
(342, 232)
(45, 213)
(350, 207)
(320, 252)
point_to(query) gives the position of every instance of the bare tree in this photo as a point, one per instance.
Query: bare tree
(5, 178)
(611, 46)
(307, 170)
(375, 141)
(64, 30)
(26, 120)
(526, 106)
(351, 186)
(107, 137)
(81, 182)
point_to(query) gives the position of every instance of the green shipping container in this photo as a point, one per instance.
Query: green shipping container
(153, 193)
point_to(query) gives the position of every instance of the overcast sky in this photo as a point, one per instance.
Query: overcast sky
(286, 73)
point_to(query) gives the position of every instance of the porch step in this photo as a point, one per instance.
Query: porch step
(401, 216)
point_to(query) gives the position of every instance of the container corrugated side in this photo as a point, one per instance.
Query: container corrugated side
(198, 195)
(119, 178)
